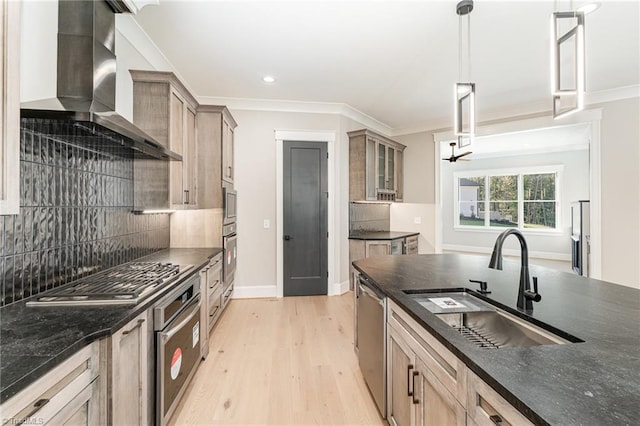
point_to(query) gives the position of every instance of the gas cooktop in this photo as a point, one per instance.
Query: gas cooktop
(126, 284)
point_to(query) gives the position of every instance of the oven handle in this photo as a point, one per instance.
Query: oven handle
(189, 312)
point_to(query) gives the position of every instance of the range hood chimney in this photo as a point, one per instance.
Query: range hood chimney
(86, 78)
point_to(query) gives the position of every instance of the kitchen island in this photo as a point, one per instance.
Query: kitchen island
(596, 381)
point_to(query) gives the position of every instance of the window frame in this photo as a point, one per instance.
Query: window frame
(519, 172)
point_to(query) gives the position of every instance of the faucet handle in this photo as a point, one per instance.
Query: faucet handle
(483, 286)
(533, 295)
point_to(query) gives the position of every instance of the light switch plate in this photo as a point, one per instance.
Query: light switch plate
(417, 220)
(266, 224)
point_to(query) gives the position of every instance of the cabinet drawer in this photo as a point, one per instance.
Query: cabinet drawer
(52, 396)
(411, 245)
(486, 407)
(214, 307)
(446, 367)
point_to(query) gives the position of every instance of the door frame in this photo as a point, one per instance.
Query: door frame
(307, 136)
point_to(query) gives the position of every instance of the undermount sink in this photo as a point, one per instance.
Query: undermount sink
(485, 325)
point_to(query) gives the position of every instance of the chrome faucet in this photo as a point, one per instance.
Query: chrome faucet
(526, 296)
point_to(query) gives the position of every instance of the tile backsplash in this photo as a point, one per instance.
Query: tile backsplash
(76, 211)
(367, 217)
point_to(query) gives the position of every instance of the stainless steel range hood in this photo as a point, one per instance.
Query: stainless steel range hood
(86, 78)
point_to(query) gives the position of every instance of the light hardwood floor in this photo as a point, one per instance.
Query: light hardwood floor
(286, 361)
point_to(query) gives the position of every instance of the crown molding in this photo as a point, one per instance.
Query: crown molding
(276, 105)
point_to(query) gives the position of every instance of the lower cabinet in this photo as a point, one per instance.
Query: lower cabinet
(415, 396)
(377, 248)
(486, 407)
(71, 394)
(130, 394)
(428, 385)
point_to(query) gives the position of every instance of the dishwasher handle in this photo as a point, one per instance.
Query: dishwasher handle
(366, 290)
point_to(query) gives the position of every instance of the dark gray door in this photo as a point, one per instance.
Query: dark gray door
(305, 218)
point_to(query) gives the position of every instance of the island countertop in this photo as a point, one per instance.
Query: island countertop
(590, 383)
(37, 339)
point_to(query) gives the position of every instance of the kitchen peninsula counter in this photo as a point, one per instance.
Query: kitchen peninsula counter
(34, 340)
(593, 382)
(381, 235)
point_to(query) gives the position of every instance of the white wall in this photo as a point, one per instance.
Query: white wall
(620, 153)
(255, 164)
(575, 186)
(620, 185)
(415, 217)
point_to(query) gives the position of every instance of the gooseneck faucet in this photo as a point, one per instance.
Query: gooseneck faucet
(526, 296)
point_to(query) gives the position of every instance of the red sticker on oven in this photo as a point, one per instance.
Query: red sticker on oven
(176, 363)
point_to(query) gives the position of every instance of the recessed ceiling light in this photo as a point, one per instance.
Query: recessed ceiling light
(269, 79)
(589, 7)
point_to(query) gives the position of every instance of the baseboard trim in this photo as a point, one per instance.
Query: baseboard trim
(508, 252)
(254, 291)
(340, 288)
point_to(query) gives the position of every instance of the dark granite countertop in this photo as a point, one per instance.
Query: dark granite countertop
(381, 235)
(36, 339)
(595, 382)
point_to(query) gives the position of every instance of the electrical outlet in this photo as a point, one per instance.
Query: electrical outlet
(266, 224)
(417, 220)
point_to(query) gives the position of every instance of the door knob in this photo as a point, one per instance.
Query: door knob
(288, 237)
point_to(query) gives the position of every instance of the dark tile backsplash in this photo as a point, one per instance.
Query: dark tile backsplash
(76, 211)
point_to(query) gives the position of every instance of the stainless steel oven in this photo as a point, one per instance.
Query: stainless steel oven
(229, 245)
(230, 199)
(177, 335)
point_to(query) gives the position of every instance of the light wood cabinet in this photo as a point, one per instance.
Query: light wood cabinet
(10, 108)
(416, 396)
(164, 108)
(70, 394)
(377, 248)
(130, 394)
(401, 366)
(486, 407)
(228, 129)
(215, 126)
(375, 167)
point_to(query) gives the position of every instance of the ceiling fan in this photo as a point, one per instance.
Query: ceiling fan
(454, 157)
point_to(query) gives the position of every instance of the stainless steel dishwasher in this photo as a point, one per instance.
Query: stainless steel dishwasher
(371, 341)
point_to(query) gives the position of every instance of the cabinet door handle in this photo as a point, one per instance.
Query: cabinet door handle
(413, 382)
(496, 419)
(409, 390)
(229, 174)
(138, 324)
(36, 407)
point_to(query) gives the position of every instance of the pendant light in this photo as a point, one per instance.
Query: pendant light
(464, 113)
(567, 62)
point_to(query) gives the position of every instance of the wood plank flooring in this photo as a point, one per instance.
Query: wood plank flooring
(286, 361)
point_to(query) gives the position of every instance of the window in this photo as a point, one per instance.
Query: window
(526, 199)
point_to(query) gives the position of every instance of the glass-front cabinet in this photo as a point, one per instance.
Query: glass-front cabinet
(375, 167)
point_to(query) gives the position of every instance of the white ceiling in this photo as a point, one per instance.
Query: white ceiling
(396, 61)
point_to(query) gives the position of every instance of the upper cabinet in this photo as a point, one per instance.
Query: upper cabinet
(164, 108)
(214, 128)
(228, 127)
(10, 108)
(375, 167)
